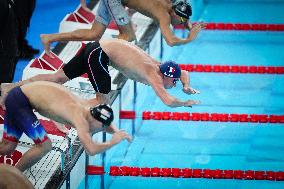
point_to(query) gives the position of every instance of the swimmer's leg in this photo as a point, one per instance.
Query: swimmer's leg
(57, 77)
(7, 147)
(33, 155)
(11, 136)
(27, 122)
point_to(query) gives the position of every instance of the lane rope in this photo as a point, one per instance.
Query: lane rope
(240, 27)
(187, 173)
(214, 117)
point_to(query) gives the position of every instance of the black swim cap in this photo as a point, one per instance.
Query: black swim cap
(102, 113)
(182, 8)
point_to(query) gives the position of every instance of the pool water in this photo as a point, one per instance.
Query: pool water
(213, 145)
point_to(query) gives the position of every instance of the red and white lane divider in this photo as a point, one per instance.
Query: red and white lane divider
(241, 27)
(187, 173)
(233, 69)
(215, 117)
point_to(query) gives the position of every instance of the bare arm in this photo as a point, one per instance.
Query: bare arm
(112, 129)
(173, 40)
(184, 78)
(168, 99)
(185, 82)
(95, 33)
(92, 147)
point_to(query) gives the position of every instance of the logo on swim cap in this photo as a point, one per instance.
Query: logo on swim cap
(102, 113)
(182, 8)
(170, 69)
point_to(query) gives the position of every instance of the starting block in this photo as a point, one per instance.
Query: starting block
(47, 62)
(80, 15)
(11, 159)
(42, 65)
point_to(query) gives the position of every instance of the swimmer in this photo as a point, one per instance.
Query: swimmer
(136, 64)
(164, 12)
(12, 178)
(54, 101)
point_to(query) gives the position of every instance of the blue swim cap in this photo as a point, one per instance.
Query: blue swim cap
(170, 69)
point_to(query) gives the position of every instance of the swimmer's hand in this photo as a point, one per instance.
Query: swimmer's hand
(189, 103)
(190, 90)
(120, 135)
(126, 37)
(46, 43)
(61, 127)
(196, 28)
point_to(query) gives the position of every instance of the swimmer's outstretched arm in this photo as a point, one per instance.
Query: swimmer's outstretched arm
(170, 100)
(93, 147)
(112, 129)
(185, 80)
(173, 40)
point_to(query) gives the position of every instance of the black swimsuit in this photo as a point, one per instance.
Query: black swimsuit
(93, 61)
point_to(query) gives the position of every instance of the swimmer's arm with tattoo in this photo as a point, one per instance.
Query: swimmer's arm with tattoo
(93, 147)
(170, 100)
(185, 83)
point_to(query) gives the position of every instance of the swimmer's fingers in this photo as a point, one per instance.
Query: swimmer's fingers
(119, 136)
(194, 91)
(202, 25)
(189, 103)
(128, 138)
(61, 127)
(190, 90)
(125, 135)
(46, 43)
(194, 32)
(188, 25)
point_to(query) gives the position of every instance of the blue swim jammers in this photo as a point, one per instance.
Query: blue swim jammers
(112, 9)
(20, 118)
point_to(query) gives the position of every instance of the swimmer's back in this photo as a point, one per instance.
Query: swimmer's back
(52, 100)
(40, 91)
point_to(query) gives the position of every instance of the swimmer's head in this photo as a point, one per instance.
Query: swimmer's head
(171, 73)
(102, 113)
(182, 8)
